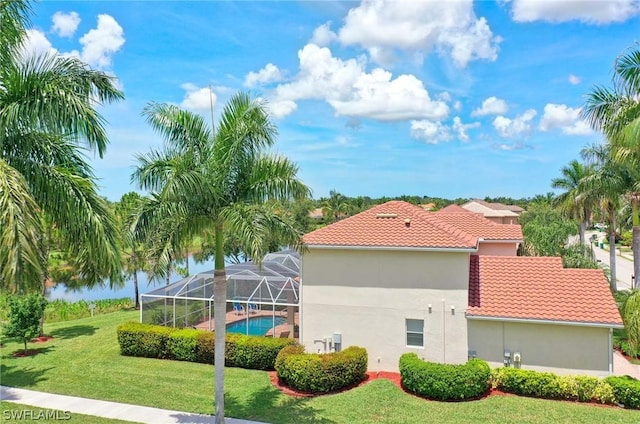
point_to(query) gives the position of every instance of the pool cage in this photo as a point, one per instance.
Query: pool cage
(254, 293)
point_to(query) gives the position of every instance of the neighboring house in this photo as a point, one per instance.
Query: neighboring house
(493, 239)
(496, 212)
(316, 214)
(397, 279)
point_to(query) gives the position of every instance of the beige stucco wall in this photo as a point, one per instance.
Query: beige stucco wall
(563, 349)
(497, 249)
(366, 295)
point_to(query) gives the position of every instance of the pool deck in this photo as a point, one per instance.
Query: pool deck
(233, 316)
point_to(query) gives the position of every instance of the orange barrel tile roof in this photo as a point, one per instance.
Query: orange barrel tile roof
(539, 288)
(393, 224)
(476, 224)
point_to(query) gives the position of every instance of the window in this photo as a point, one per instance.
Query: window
(415, 332)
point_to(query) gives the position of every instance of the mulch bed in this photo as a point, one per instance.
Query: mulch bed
(23, 353)
(41, 339)
(371, 375)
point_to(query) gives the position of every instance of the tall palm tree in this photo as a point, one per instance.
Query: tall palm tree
(206, 180)
(48, 119)
(616, 112)
(336, 206)
(133, 250)
(572, 201)
(608, 182)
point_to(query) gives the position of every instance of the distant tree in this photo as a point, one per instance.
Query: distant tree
(575, 201)
(133, 250)
(335, 207)
(545, 230)
(25, 313)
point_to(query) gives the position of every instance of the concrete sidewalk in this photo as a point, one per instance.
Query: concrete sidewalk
(101, 408)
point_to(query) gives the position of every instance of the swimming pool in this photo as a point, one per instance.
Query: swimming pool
(258, 326)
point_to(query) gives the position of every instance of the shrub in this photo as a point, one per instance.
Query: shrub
(205, 347)
(258, 353)
(444, 381)
(155, 341)
(551, 386)
(321, 373)
(149, 341)
(626, 390)
(181, 344)
(24, 317)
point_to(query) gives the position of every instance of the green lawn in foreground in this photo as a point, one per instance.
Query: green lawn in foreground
(13, 413)
(84, 360)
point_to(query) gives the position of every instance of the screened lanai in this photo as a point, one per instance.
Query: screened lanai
(261, 300)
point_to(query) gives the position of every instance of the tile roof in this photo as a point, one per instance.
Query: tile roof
(487, 211)
(385, 226)
(528, 287)
(476, 224)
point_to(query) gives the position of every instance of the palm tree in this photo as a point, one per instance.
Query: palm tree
(335, 207)
(206, 180)
(616, 112)
(48, 118)
(608, 182)
(133, 250)
(572, 202)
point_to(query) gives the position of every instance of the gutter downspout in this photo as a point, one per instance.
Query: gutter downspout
(610, 351)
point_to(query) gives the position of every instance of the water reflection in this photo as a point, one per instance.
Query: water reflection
(98, 293)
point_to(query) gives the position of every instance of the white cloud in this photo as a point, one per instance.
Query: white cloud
(36, 43)
(565, 118)
(281, 108)
(270, 73)
(574, 80)
(431, 132)
(100, 43)
(461, 129)
(65, 24)
(323, 35)
(196, 98)
(352, 91)
(451, 28)
(587, 11)
(520, 125)
(491, 106)
(457, 105)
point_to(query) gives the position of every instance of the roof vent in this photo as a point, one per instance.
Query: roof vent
(407, 222)
(386, 215)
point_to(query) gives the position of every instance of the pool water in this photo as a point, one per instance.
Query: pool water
(258, 326)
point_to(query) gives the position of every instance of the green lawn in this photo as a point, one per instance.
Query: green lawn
(83, 360)
(13, 413)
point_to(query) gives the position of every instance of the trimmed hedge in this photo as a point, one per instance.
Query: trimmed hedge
(626, 390)
(149, 341)
(551, 386)
(321, 373)
(444, 381)
(186, 344)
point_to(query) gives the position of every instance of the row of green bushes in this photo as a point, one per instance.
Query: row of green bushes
(321, 373)
(186, 344)
(444, 381)
(551, 386)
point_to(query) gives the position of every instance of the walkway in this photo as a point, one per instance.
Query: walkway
(101, 408)
(624, 263)
(622, 366)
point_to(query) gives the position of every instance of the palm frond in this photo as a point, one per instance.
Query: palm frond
(21, 256)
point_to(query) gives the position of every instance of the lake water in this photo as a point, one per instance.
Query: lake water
(99, 293)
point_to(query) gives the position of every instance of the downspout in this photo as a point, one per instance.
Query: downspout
(610, 351)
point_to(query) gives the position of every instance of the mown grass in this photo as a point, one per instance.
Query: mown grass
(84, 360)
(14, 412)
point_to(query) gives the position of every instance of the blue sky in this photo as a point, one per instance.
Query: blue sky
(376, 98)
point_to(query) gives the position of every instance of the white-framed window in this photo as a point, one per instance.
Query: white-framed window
(415, 332)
